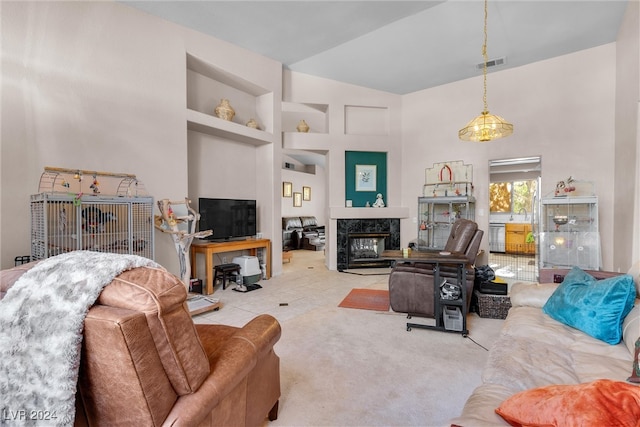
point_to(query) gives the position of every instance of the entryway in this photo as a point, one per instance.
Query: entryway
(514, 205)
(512, 267)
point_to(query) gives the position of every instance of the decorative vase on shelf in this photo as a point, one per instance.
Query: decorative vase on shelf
(252, 124)
(224, 110)
(302, 126)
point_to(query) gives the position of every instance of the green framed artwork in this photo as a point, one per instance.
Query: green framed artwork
(365, 175)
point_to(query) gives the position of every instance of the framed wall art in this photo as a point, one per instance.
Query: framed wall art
(366, 177)
(297, 199)
(287, 189)
(306, 194)
(366, 193)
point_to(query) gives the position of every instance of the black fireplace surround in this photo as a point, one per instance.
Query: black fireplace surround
(354, 226)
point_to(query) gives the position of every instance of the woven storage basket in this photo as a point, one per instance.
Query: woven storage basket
(493, 306)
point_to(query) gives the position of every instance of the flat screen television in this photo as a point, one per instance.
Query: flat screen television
(230, 219)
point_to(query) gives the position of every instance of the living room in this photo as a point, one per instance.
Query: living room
(116, 96)
(103, 86)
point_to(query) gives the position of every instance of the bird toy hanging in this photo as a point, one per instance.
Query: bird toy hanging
(94, 185)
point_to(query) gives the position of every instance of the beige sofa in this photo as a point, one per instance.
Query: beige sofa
(534, 350)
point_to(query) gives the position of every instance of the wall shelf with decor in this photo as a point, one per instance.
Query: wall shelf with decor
(315, 115)
(207, 85)
(210, 125)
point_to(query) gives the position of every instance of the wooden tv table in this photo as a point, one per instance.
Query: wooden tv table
(209, 248)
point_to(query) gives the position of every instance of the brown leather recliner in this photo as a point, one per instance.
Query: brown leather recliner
(145, 363)
(411, 286)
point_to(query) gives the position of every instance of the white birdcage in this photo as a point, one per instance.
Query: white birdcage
(65, 218)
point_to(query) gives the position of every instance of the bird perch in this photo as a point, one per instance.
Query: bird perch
(179, 220)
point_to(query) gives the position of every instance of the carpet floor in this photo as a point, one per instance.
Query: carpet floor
(343, 367)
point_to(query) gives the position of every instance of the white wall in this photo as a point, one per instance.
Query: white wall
(303, 88)
(627, 153)
(102, 86)
(563, 109)
(317, 205)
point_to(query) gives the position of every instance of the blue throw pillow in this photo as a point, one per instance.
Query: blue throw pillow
(596, 307)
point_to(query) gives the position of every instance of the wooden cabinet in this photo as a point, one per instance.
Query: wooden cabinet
(516, 239)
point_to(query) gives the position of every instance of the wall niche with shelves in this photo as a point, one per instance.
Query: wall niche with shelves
(316, 116)
(208, 84)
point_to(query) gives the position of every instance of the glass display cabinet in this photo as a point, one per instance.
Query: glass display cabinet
(569, 233)
(437, 214)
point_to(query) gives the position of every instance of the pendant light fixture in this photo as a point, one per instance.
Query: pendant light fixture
(485, 127)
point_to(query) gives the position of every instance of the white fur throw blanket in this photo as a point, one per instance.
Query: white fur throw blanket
(41, 322)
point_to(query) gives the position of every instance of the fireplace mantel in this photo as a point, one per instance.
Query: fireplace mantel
(339, 212)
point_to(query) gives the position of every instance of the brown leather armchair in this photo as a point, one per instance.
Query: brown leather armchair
(411, 286)
(145, 363)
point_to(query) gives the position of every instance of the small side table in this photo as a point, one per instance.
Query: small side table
(224, 271)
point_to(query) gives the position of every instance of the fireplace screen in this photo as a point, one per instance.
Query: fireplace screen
(365, 249)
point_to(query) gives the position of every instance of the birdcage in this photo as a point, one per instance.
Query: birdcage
(65, 218)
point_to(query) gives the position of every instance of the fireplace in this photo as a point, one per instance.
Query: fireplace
(361, 241)
(365, 249)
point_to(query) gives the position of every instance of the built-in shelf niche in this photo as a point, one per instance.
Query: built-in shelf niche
(366, 120)
(208, 84)
(314, 114)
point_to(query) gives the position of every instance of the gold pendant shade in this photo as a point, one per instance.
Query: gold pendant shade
(485, 127)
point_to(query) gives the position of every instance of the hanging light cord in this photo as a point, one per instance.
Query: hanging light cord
(486, 59)
(485, 127)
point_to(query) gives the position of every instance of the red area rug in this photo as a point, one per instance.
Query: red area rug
(367, 299)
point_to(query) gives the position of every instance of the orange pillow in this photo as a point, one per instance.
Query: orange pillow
(598, 403)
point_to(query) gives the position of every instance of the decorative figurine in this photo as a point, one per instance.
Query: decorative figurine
(565, 186)
(224, 110)
(379, 203)
(302, 126)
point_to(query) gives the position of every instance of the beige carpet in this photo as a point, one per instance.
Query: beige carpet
(342, 367)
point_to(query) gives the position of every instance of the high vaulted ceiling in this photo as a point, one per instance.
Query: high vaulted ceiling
(399, 46)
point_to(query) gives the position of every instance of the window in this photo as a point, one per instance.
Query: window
(511, 197)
